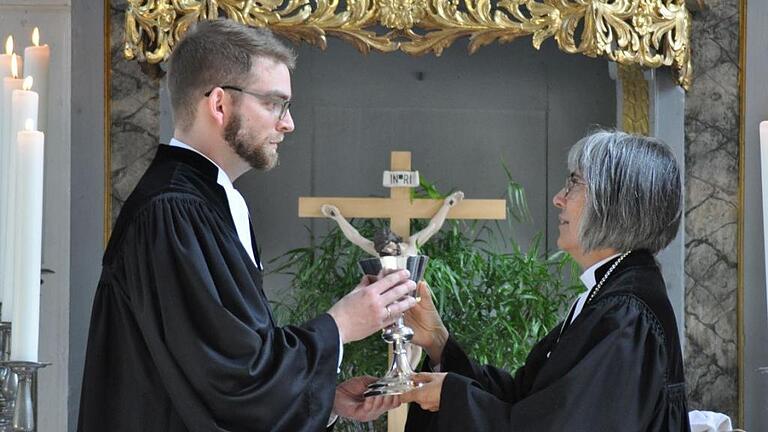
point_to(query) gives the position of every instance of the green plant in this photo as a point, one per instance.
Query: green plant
(496, 298)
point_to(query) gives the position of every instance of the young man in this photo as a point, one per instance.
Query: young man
(182, 337)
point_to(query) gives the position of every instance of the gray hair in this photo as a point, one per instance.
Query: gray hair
(634, 191)
(215, 53)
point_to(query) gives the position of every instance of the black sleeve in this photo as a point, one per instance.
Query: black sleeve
(496, 381)
(615, 381)
(208, 326)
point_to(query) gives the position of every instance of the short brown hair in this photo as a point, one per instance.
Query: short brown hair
(215, 53)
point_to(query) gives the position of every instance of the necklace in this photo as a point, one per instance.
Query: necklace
(608, 273)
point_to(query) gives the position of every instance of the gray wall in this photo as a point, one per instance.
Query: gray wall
(459, 115)
(667, 108)
(755, 305)
(87, 162)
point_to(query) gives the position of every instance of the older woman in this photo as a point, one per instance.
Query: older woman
(614, 363)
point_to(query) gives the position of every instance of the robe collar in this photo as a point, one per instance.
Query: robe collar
(638, 258)
(588, 277)
(221, 177)
(194, 159)
(596, 272)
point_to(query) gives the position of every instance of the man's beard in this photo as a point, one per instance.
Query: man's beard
(257, 156)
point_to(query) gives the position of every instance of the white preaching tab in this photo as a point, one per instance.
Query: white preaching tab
(401, 179)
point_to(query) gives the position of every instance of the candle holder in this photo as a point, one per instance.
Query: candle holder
(5, 341)
(25, 413)
(8, 380)
(398, 378)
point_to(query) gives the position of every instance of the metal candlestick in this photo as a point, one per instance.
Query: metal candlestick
(25, 414)
(398, 378)
(5, 341)
(8, 380)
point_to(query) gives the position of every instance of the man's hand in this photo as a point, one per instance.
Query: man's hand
(428, 395)
(350, 403)
(373, 305)
(428, 329)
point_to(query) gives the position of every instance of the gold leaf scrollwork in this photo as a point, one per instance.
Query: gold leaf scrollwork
(647, 33)
(401, 14)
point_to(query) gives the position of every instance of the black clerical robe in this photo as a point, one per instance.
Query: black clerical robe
(182, 337)
(617, 367)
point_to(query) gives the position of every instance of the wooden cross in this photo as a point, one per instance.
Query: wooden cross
(400, 209)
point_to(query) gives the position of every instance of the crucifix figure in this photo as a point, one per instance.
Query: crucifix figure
(386, 242)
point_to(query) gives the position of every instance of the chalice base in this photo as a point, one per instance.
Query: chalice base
(394, 383)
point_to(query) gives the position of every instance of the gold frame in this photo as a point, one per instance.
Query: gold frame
(648, 33)
(740, 338)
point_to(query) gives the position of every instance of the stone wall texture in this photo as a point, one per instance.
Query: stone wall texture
(135, 115)
(711, 214)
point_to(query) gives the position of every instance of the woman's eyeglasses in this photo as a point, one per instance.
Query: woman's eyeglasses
(572, 180)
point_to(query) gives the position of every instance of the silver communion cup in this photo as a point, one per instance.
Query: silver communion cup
(398, 378)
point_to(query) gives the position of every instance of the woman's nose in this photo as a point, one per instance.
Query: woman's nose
(559, 199)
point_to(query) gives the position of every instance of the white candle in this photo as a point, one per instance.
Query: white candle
(24, 104)
(7, 191)
(25, 332)
(5, 59)
(36, 60)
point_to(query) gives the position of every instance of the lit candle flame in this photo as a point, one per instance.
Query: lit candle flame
(9, 45)
(14, 66)
(27, 83)
(29, 125)
(36, 37)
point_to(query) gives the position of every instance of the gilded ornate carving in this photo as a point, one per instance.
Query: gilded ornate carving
(648, 33)
(401, 14)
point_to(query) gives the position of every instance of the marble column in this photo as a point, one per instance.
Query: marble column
(711, 215)
(135, 115)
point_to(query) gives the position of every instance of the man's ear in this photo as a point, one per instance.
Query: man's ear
(216, 106)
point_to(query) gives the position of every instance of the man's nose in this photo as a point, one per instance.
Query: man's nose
(285, 124)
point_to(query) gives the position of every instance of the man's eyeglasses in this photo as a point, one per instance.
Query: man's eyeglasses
(278, 105)
(572, 180)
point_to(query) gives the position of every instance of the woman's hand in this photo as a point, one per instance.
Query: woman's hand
(428, 329)
(428, 395)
